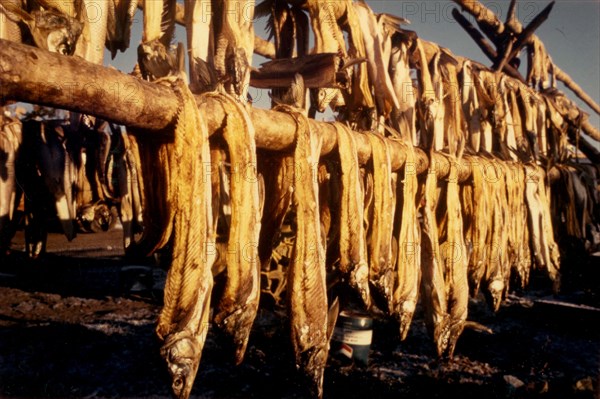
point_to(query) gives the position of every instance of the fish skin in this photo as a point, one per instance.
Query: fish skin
(353, 264)
(200, 41)
(119, 22)
(374, 43)
(543, 246)
(408, 262)
(479, 220)
(184, 319)
(9, 29)
(234, 45)
(95, 25)
(238, 305)
(455, 262)
(380, 234)
(307, 286)
(433, 284)
(404, 117)
(471, 109)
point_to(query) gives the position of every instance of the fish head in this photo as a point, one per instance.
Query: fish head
(312, 364)
(322, 97)
(56, 32)
(103, 216)
(494, 293)
(441, 336)
(455, 330)
(182, 353)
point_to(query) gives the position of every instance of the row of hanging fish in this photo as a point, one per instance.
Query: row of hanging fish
(452, 238)
(391, 238)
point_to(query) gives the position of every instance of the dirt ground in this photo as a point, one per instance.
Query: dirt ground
(80, 324)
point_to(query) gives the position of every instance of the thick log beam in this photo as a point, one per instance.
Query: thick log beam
(485, 17)
(37, 76)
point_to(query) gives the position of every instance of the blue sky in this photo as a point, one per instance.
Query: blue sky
(571, 35)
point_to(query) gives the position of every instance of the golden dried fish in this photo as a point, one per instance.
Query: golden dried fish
(471, 107)
(120, 20)
(381, 232)
(233, 29)
(374, 42)
(543, 246)
(184, 319)
(408, 262)
(199, 37)
(455, 260)
(478, 226)
(352, 239)
(404, 117)
(239, 303)
(433, 284)
(307, 286)
(497, 237)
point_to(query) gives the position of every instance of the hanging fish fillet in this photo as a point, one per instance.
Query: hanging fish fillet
(380, 234)
(119, 22)
(518, 235)
(234, 45)
(9, 28)
(529, 107)
(328, 38)
(438, 107)
(11, 136)
(497, 237)
(95, 25)
(454, 120)
(404, 116)
(509, 144)
(455, 260)
(129, 188)
(200, 44)
(541, 127)
(486, 86)
(184, 319)
(353, 249)
(478, 227)
(522, 146)
(539, 63)
(471, 108)
(239, 303)
(427, 104)
(159, 21)
(433, 284)
(385, 97)
(308, 291)
(543, 245)
(408, 262)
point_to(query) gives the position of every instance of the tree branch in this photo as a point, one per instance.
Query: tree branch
(483, 44)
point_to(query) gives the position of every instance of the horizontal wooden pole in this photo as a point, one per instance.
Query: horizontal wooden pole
(37, 76)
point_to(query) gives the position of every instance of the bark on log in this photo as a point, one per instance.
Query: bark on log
(486, 17)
